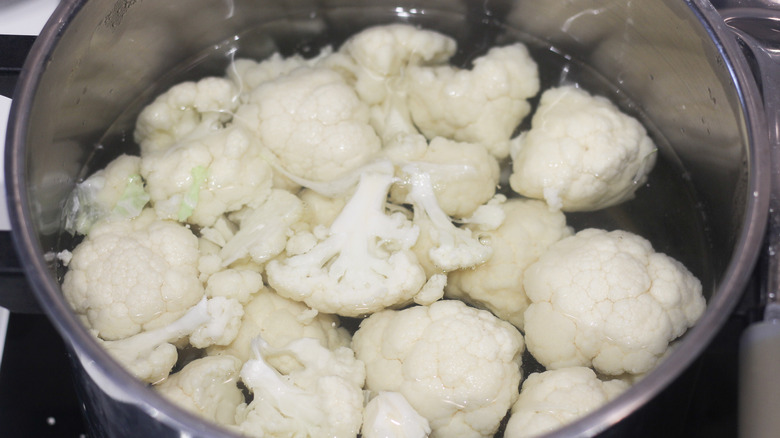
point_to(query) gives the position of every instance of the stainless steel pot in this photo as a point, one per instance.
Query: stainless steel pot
(97, 61)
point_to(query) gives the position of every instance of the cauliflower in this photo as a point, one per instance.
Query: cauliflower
(186, 110)
(116, 190)
(323, 397)
(388, 414)
(490, 99)
(249, 74)
(312, 122)
(447, 246)
(459, 367)
(280, 321)
(238, 284)
(263, 233)
(376, 58)
(497, 285)
(150, 355)
(581, 153)
(199, 179)
(607, 300)
(554, 398)
(464, 176)
(206, 387)
(363, 265)
(132, 275)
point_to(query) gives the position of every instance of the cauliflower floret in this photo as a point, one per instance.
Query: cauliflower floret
(581, 153)
(497, 285)
(319, 209)
(464, 176)
(263, 232)
(133, 275)
(388, 414)
(200, 178)
(363, 265)
(249, 74)
(442, 245)
(238, 284)
(312, 122)
(206, 387)
(375, 58)
(280, 321)
(116, 190)
(482, 105)
(322, 397)
(150, 355)
(607, 300)
(459, 367)
(554, 398)
(186, 109)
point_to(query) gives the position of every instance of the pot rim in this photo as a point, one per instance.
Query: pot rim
(94, 357)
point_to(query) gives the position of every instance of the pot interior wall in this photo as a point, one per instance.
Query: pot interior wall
(654, 58)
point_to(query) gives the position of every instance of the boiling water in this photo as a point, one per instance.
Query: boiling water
(665, 209)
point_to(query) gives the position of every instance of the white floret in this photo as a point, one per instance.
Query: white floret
(529, 228)
(607, 300)
(482, 105)
(264, 231)
(238, 284)
(279, 321)
(554, 398)
(312, 121)
(447, 246)
(249, 74)
(464, 176)
(363, 265)
(188, 109)
(116, 190)
(459, 367)
(133, 275)
(207, 387)
(323, 397)
(380, 55)
(150, 355)
(581, 153)
(200, 178)
(388, 414)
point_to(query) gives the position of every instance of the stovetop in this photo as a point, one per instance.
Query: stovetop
(37, 395)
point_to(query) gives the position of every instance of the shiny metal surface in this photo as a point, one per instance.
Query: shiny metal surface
(98, 59)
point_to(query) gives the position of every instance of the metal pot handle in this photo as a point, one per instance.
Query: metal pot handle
(758, 29)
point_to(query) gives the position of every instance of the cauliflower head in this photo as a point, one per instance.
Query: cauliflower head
(199, 179)
(553, 398)
(388, 414)
(457, 366)
(279, 321)
(150, 355)
(497, 285)
(606, 299)
(364, 264)
(376, 58)
(490, 99)
(581, 153)
(132, 275)
(312, 122)
(207, 387)
(464, 176)
(186, 109)
(116, 190)
(322, 397)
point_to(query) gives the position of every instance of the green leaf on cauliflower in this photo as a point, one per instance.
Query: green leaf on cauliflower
(190, 200)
